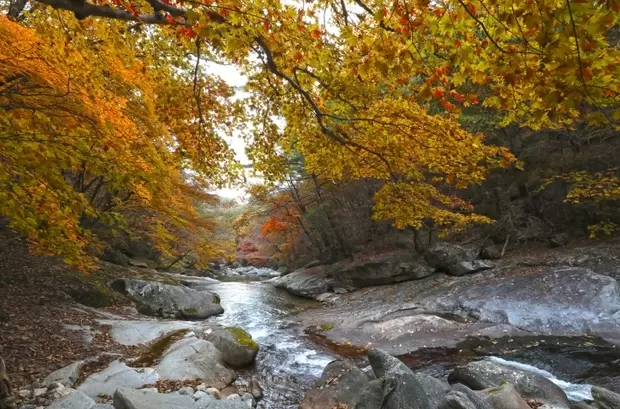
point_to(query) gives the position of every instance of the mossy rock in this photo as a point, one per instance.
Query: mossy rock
(237, 347)
(243, 337)
(327, 326)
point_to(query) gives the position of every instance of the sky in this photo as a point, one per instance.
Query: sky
(234, 78)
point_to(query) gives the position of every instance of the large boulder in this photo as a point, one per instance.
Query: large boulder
(340, 383)
(236, 345)
(169, 301)
(485, 374)
(384, 364)
(604, 398)
(394, 391)
(461, 397)
(115, 376)
(570, 301)
(444, 255)
(468, 267)
(347, 276)
(195, 359)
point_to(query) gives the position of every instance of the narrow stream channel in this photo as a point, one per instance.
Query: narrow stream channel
(287, 364)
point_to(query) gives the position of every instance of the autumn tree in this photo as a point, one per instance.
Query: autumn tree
(96, 128)
(373, 89)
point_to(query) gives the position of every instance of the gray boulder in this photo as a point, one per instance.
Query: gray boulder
(341, 382)
(491, 253)
(74, 400)
(460, 399)
(605, 399)
(236, 345)
(115, 376)
(192, 358)
(481, 375)
(468, 267)
(444, 255)
(115, 256)
(384, 364)
(347, 276)
(395, 391)
(169, 301)
(66, 376)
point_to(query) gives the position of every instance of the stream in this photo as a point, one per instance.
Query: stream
(287, 363)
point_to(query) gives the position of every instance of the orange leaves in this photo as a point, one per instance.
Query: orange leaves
(315, 34)
(272, 226)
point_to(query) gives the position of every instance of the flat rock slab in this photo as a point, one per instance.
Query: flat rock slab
(571, 301)
(126, 398)
(134, 332)
(117, 375)
(192, 358)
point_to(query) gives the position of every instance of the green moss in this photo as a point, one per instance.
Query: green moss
(157, 348)
(216, 299)
(189, 312)
(243, 337)
(328, 326)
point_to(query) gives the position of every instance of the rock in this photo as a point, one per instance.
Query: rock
(193, 358)
(459, 399)
(255, 388)
(138, 263)
(443, 255)
(201, 387)
(199, 394)
(581, 405)
(169, 301)
(103, 406)
(39, 392)
(114, 256)
(340, 382)
(559, 240)
(236, 345)
(346, 276)
(605, 399)
(468, 267)
(117, 375)
(491, 253)
(186, 390)
(233, 396)
(74, 400)
(384, 364)
(150, 389)
(135, 332)
(505, 396)
(24, 393)
(66, 376)
(395, 391)
(480, 375)
(126, 398)
(248, 399)
(563, 301)
(435, 389)
(213, 392)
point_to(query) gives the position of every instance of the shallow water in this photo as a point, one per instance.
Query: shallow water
(287, 363)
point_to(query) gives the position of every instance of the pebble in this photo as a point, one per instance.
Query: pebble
(186, 390)
(150, 389)
(233, 396)
(202, 387)
(248, 399)
(24, 393)
(214, 392)
(39, 392)
(199, 394)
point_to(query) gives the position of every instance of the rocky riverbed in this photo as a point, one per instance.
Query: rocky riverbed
(468, 331)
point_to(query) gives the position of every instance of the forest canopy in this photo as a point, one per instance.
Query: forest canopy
(107, 109)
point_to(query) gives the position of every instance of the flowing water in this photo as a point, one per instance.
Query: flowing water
(287, 364)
